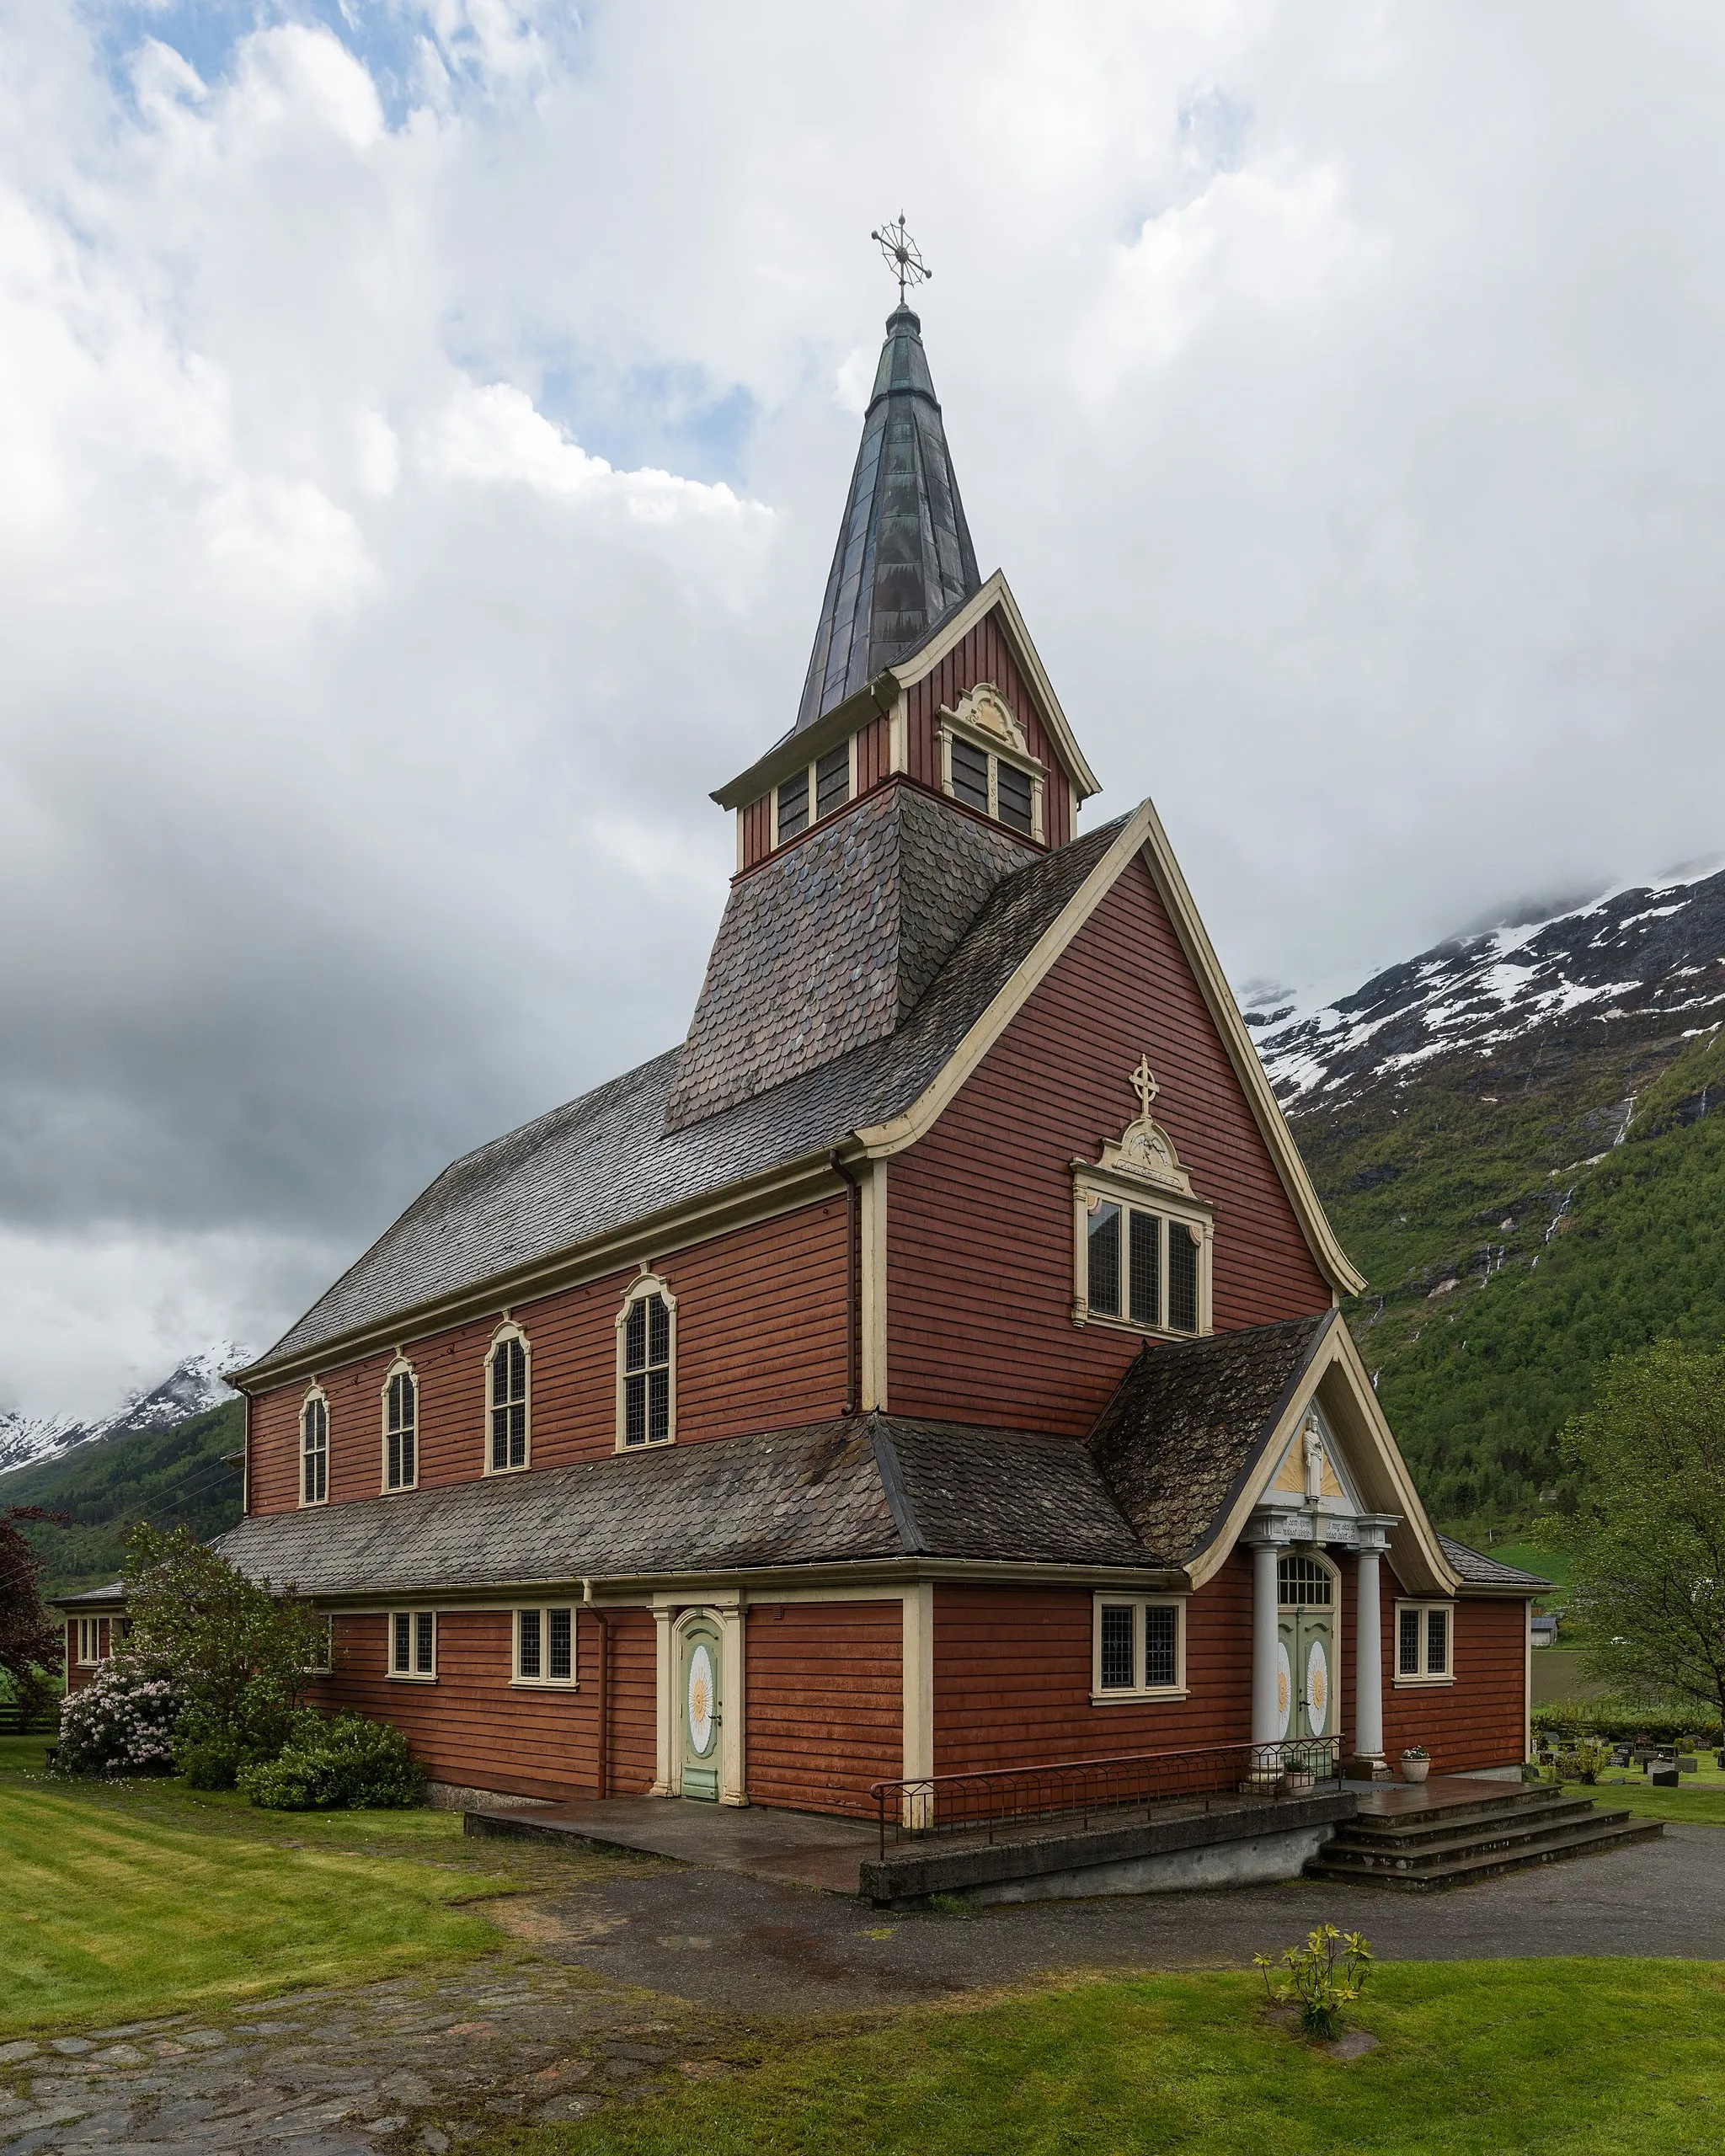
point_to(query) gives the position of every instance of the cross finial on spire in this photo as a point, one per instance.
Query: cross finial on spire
(1144, 1084)
(900, 249)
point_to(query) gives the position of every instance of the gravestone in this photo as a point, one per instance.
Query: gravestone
(1663, 1774)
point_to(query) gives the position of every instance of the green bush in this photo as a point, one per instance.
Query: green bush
(329, 1763)
(210, 1763)
(1608, 1722)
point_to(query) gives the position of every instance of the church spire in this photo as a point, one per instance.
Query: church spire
(904, 556)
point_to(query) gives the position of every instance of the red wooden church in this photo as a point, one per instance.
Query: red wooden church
(932, 1362)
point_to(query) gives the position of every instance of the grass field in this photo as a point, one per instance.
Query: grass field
(122, 1900)
(1475, 2058)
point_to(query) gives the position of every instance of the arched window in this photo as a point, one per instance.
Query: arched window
(646, 1365)
(314, 1448)
(401, 1427)
(1303, 1584)
(506, 1400)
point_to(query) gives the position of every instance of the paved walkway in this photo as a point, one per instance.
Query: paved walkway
(802, 1846)
(640, 1983)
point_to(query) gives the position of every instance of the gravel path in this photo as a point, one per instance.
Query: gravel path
(641, 1982)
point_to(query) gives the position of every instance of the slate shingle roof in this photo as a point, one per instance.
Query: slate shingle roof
(904, 556)
(604, 1161)
(868, 1488)
(826, 946)
(1478, 1570)
(1188, 1423)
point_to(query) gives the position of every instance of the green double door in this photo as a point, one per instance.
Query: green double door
(701, 1705)
(1305, 1672)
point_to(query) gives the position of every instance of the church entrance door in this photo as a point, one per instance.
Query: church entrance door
(1306, 1648)
(701, 1707)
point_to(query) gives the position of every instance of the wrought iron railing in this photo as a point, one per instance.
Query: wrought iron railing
(1078, 1789)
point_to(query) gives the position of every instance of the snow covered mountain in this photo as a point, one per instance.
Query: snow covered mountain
(194, 1386)
(1643, 952)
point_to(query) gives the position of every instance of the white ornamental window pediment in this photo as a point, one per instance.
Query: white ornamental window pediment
(1144, 1151)
(985, 712)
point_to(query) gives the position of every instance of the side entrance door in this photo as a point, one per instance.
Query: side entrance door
(701, 1708)
(1306, 1649)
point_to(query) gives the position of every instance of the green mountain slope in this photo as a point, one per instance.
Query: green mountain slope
(167, 1476)
(1521, 1217)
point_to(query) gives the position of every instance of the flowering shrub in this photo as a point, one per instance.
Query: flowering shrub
(1325, 1975)
(122, 1722)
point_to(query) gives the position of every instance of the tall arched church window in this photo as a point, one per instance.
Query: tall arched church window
(646, 1365)
(314, 1448)
(506, 1378)
(401, 1427)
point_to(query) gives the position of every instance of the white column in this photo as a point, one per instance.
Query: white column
(733, 1759)
(918, 1694)
(1265, 1601)
(1369, 1663)
(666, 1701)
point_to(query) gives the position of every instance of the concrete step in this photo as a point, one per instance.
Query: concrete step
(1392, 1840)
(1591, 1836)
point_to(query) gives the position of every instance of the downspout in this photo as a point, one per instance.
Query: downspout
(853, 1280)
(601, 1772)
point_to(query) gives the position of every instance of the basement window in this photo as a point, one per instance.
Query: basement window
(413, 1644)
(1425, 1643)
(1138, 1648)
(545, 1646)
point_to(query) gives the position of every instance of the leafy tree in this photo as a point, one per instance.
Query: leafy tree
(241, 1654)
(32, 1641)
(1648, 1531)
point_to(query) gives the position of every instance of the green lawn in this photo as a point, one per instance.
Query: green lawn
(1699, 1799)
(1476, 2058)
(128, 1899)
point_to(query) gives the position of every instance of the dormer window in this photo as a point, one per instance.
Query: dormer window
(985, 761)
(820, 789)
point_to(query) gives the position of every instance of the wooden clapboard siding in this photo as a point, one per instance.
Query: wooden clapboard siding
(1013, 1672)
(979, 1220)
(824, 1702)
(761, 1345)
(755, 828)
(633, 1735)
(874, 750)
(985, 655)
(1480, 1720)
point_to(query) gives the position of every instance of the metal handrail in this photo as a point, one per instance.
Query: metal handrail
(919, 1804)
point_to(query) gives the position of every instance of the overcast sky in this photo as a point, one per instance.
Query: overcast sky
(424, 426)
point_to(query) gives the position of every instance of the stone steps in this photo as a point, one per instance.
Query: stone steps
(1422, 1851)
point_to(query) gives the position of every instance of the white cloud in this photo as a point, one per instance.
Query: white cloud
(420, 451)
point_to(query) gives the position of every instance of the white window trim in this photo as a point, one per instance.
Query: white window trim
(1116, 1695)
(997, 753)
(89, 1633)
(409, 1676)
(401, 1365)
(509, 1330)
(326, 1668)
(572, 1682)
(1422, 1681)
(647, 1283)
(314, 1392)
(1093, 1187)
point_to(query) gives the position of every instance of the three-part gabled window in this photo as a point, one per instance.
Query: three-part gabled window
(507, 1391)
(401, 1427)
(646, 1364)
(314, 1448)
(1143, 1267)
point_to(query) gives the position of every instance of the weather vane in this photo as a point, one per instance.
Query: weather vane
(902, 258)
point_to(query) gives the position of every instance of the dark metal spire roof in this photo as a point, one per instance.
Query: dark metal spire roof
(904, 556)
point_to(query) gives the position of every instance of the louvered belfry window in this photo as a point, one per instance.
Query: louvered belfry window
(314, 1450)
(832, 780)
(1014, 796)
(401, 1432)
(794, 806)
(508, 1404)
(647, 1371)
(970, 774)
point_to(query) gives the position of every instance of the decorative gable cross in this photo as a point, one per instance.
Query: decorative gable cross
(1145, 1086)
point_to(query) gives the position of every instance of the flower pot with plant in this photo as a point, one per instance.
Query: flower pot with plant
(1416, 1763)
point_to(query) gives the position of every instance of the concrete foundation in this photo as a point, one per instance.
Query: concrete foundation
(1253, 1861)
(452, 1797)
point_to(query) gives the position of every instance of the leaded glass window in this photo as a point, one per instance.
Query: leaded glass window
(646, 1376)
(1117, 1672)
(1161, 1636)
(314, 1450)
(1182, 1278)
(1104, 1260)
(508, 1404)
(401, 1432)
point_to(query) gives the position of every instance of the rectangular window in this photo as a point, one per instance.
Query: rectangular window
(89, 1642)
(545, 1646)
(1140, 1648)
(413, 1643)
(1425, 1650)
(323, 1660)
(794, 806)
(1141, 1267)
(1015, 794)
(1104, 1261)
(832, 780)
(970, 774)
